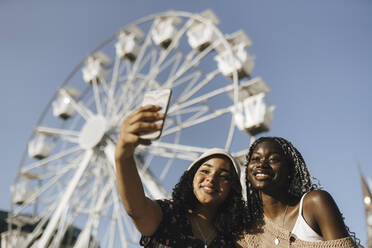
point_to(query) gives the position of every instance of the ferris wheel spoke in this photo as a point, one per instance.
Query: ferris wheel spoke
(154, 83)
(46, 186)
(117, 206)
(80, 201)
(154, 54)
(131, 101)
(159, 66)
(192, 78)
(113, 84)
(109, 235)
(97, 97)
(202, 119)
(123, 73)
(78, 107)
(194, 150)
(163, 54)
(75, 207)
(38, 230)
(200, 99)
(122, 235)
(198, 114)
(189, 63)
(160, 152)
(177, 151)
(84, 196)
(166, 168)
(68, 135)
(149, 180)
(124, 223)
(125, 100)
(66, 197)
(52, 172)
(150, 58)
(208, 78)
(104, 84)
(137, 62)
(50, 159)
(230, 135)
(115, 74)
(197, 110)
(61, 229)
(156, 190)
(191, 113)
(174, 60)
(84, 237)
(117, 217)
(56, 131)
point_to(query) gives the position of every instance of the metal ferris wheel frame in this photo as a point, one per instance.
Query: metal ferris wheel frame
(68, 189)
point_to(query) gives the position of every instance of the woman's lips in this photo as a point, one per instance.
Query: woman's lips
(209, 190)
(262, 176)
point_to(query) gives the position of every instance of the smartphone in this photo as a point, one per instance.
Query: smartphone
(160, 98)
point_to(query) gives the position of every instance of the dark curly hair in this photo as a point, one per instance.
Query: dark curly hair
(300, 181)
(231, 214)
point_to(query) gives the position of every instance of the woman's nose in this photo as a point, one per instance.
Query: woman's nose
(211, 177)
(262, 163)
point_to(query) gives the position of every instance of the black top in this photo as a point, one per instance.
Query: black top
(175, 231)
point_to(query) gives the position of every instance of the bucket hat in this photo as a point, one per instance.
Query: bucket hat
(218, 151)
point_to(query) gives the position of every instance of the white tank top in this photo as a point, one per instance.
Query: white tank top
(302, 230)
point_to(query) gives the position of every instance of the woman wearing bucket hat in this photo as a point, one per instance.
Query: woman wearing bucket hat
(206, 209)
(287, 208)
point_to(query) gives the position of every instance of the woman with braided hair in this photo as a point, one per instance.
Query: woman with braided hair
(287, 209)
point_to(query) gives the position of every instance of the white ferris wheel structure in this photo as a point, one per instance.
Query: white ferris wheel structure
(65, 194)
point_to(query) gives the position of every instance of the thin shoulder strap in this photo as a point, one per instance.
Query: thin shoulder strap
(301, 203)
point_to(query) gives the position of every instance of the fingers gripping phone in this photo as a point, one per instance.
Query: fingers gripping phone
(160, 98)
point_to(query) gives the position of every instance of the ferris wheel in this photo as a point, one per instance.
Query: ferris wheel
(65, 194)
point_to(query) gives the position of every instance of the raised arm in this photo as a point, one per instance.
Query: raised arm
(145, 213)
(322, 214)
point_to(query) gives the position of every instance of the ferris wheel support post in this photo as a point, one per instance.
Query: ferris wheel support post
(43, 241)
(83, 240)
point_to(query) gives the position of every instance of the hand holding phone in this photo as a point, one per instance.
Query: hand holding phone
(160, 98)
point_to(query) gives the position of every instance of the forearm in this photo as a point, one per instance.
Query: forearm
(130, 187)
(145, 213)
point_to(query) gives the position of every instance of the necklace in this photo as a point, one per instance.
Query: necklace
(202, 234)
(276, 240)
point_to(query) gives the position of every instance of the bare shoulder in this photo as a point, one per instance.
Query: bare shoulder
(320, 205)
(321, 212)
(319, 198)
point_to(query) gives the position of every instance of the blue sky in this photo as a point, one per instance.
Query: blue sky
(315, 56)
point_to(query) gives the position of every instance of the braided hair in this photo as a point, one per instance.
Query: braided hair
(300, 181)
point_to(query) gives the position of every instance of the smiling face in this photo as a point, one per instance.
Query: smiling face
(211, 181)
(268, 168)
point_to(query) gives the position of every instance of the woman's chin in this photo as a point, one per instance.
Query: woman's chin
(209, 202)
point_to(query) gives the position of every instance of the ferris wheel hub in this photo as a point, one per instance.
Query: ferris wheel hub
(92, 132)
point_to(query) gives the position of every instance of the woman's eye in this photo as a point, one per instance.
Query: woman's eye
(255, 159)
(204, 171)
(225, 177)
(274, 160)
